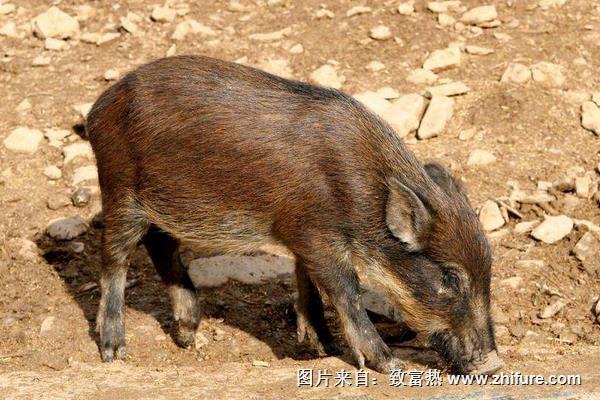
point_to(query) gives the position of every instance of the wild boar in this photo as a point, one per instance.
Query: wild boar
(227, 158)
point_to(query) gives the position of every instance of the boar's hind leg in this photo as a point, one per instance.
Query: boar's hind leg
(164, 252)
(340, 282)
(310, 319)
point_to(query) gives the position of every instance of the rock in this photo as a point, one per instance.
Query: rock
(324, 13)
(440, 60)
(479, 15)
(404, 114)
(27, 249)
(171, 50)
(525, 227)
(83, 109)
(46, 326)
(163, 14)
(55, 23)
(477, 50)
(98, 39)
(52, 172)
(85, 12)
(111, 75)
(547, 4)
(586, 250)
(590, 117)
(516, 73)
(296, 49)
(56, 136)
(552, 309)
(81, 196)
(553, 229)
(55, 44)
(480, 157)
(421, 76)
(436, 117)
(446, 20)
(41, 61)
(327, 76)
(596, 98)
(582, 186)
(55, 202)
(10, 30)
(200, 341)
(23, 140)
(66, 228)
(405, 9)
(501, 36)
(6, 9)
(490, 216)
(279, 67)
(128, 24)
(373, 101)
(467, 134)
(380, 32)
(443, 6)
(388, 92)
(548, 74)
(271, 36)
(448, 89)
(79, 149)
(191, 26)
(514, 282)
(83, 174)
(530, 264)
(357, 10)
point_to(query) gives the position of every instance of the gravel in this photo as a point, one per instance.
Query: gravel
(436, 117)
(24, 140)
(553, 229)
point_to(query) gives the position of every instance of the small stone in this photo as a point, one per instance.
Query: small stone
(55, 44)
(52, 172)
(503, 37)
(422, 76)
(547, 4)
(443, 6)
(55, 23)
(66, 228)
(448, 89)
(218, 335)
(296, 49)
(478, 15)
(516, 73)
(41, 61)
(380, 32)
(163, 14)
(514, 282)
(46, 326)
(489, 24)
(375, 66)
(404, 115)
(194, 27)
(590, 117)
(436, 117)
(327, 76)
(236, 6)
(7, 8)
(271, 36)
(200, 341)
(56, 136)
(596, 98)
(128, 24)
(324, 13)
(84, 174)
(357, 10)
(23, 140)
(490, 216)
(553, 229)
(56, 202)
(75, 150)
(171, 50)
(279, 67)
(259, 363)
(548, 74)
(446, 20)
(478, 50)
(552, 309)
(111, 75)
(525, 227)
(530, 264)
(10, 30)
(582, 186)
(388, 93)
(406, 9)
(81, 196)
(480, 157)
(85, 12)
(83, 109)
(467, 134)
(440, 60)
(77, 247)
(373, 101)
(586, 250)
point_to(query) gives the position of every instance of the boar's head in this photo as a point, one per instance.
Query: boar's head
(436, 266)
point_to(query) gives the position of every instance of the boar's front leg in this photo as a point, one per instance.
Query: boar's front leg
(339, 280)
(311, 322)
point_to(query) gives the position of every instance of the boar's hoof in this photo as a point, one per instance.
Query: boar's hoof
(109, 354)
(491, 364)
(384, 366)
(185, 337)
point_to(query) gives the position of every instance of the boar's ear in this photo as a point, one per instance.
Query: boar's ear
(406, 216)
(443, 178)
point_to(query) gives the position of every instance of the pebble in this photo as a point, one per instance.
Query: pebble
(55, 23)
(357, 10)
(75, 150)
(171, 50)
(447, 89)
(326, 75)
(467, 134)
(66, 228)
(582, 186)
(52, 172)
(324, 13)
(236, 6)
(530, 264)
(56, 202)
(81, 196)
(422, 76)
(85, 12)
(478, 50)
(590, 117)
(480, 157)
(27, 249)
(111, 75)
(525, 227)
(596, 98)
(128, 24)
(479, 15)
(296, 49)
(373, 101)
(200, 341)
(194, 27)
(516, 73)
(375, 66)
(436, 117)
(514, 282)
(380, 32)
(259, 363)
(55, 44)
(99, 39)
(586, 250)
(443, 6)
(56, 136)
(446, 20)
(84, 174)
(46, 326)
(7, 8)
(163, 14)
(83, 109)
(405, 9)
(24, 140)
(553, 229)
(10, 30)
(548, 74)
(41, 61)
(547, 4)
(404, 114)
(271, 36)
(280, 67)
(490, 216)
(440, 60)
(503, 37)
(552, 309)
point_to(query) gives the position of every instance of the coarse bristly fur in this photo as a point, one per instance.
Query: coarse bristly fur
(228, 158)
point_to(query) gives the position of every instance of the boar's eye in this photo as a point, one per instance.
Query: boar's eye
(452, 279)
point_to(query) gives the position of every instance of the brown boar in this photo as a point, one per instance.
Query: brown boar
(228, 158)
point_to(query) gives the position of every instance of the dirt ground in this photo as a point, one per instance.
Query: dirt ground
(49, 294)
